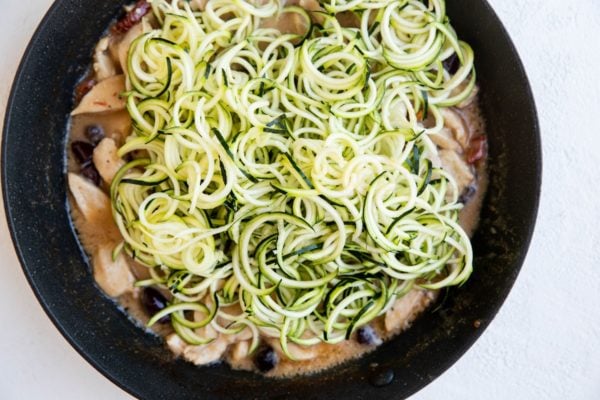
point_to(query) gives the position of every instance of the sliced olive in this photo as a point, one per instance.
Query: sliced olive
(94, 133)
(366, 335)
(266, 359)
(467, 194)
(153, 301)
(82, 151)
(89, 171)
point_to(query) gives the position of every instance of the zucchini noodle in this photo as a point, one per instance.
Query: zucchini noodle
(285, 183)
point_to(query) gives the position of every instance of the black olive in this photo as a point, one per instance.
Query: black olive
(94, 133)
(266, 359)
(467, 194)
(366, 335)
(153, 302)
(452, 63)
(82, 151)
(89, 171)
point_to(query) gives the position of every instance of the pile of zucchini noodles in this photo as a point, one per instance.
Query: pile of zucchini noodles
(286, 183)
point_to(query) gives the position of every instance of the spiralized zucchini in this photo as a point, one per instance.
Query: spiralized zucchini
(286, 182)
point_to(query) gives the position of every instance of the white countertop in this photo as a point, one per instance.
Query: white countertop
(544, 343)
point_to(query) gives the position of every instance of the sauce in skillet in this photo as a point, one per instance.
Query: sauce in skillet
(102, 233)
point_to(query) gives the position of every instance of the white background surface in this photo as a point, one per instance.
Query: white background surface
(544, 343)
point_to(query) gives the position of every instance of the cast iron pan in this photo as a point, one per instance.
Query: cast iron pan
(33, 178)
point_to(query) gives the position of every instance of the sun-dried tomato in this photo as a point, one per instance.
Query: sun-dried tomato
(134, 16)
(83, 88)
(477, 149)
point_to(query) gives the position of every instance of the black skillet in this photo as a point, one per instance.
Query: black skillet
(33, 178)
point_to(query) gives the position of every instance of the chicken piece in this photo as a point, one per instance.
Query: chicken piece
(239, 351)
(125, 43)
(206, 354)
(93, 203)
(103, 63)
(106, 159)
(201, 354)
(445, 140)
(113, 51)
(199, 5)
(406, 308)
(458, 168)
(455, 122)
(103, 97)
(113, 276)
(239, 356)
(93, 214)
(176, 344)
(469, 100)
